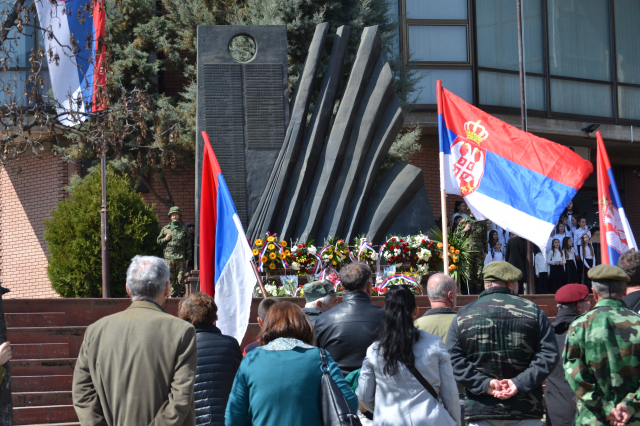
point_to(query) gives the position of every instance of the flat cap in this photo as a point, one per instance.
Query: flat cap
(572, 293)
(317, 289)
(502, 271)
(608, 272)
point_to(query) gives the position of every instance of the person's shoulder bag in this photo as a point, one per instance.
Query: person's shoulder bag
(334, 407)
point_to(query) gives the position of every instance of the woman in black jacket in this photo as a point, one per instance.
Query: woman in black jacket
(219, 357)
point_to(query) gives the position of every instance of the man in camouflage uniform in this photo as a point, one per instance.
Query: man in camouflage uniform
(502, 348)
(177, 249)
(602, 354)
(476, 231)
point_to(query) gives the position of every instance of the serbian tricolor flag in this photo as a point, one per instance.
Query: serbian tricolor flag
(615, 233)
(80, 73)
(225, 256)
(520, 181)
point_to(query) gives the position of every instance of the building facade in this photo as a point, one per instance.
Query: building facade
(582, 68)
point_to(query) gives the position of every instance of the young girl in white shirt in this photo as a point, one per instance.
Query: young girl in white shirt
(588, 256)
(542, 271)
(555, 258)
(495, 254)
(570, 267)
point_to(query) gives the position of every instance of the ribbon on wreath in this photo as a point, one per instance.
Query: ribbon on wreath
(318, 267)
(402, 277)
(280, 249)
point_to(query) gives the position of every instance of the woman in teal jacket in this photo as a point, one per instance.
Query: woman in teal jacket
(279, 383)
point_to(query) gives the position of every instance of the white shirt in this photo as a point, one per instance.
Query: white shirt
(588, 257)
(559, 237)
(540, 264)
(555, 256)
(577, 236)
(497, 256)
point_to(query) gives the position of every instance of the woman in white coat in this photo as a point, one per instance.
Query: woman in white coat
(389, 385)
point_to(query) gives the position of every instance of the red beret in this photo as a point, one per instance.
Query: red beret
(572, 293)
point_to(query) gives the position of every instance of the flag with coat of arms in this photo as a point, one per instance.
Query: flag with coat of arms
(520, 181)
(616, 237)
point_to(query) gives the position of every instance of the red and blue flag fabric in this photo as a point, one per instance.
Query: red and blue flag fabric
(616, 237)
(76, 55)
(225, 257)
(518, 180)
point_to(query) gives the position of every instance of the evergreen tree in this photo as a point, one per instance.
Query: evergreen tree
(73, 235)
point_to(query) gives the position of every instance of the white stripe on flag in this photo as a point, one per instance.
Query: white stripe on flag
(631, 242)
(446, 175)
(234, 288)
(528, 227)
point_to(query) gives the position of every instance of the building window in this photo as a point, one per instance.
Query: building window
(581, 56)
(436, 41)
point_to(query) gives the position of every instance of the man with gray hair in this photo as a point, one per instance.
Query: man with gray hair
(443, 292)
(138, 367)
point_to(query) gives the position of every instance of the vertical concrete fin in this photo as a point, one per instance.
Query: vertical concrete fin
(331, 159)
(315, 137)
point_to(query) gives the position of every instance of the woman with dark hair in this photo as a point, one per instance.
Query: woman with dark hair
(570, 267)
(461, 211)
(555, 258)
(493, 238)
(390, 378)
(571, 211)
(278, 383)
(219, 357)
(588, 256)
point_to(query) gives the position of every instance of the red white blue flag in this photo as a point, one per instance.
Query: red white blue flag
(75, 53)
(518, 180)
(224, 253)
(615, 233)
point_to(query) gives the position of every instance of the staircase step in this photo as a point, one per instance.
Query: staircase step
(41, 383)
(36, 319)
(43, 367)
(40, 350)
(73, 336)
(44, 415)
(35, 399)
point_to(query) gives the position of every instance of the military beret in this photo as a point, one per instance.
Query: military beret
(502, 271)
(315, 290)
(572, 293)
(607, 272)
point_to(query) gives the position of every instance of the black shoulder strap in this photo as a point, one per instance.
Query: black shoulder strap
(424, 382)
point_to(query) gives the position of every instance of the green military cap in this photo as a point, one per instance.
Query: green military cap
(501, 271)
(607, 272)
(315, 290)
(174, 209)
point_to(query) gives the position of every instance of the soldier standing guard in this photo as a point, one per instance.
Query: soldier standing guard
(477, 245)
(602, 352)
(177, 250)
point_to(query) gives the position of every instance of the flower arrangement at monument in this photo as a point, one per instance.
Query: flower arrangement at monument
(271, 253)
(364, 252)
(458, 254)
(396, 251)
(305, 259)
(335, 254)
(397, 279)
(420, 257)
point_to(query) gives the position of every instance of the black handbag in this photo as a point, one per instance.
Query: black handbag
(334, 407)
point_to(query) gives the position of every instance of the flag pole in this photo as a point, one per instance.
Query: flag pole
(443, 192)
(523, 116)
(257, 274)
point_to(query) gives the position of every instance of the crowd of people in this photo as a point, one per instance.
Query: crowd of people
(482, 365)
(567, 258)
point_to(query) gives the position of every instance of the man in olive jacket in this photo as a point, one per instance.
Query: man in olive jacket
(138, 367)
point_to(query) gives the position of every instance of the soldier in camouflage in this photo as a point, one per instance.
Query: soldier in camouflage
(177, 250)
(602, 354)
(502, 348)
(477, 245)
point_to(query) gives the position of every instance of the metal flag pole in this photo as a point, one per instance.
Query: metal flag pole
(523, 113)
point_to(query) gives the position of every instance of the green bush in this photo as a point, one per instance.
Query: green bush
(73, 235)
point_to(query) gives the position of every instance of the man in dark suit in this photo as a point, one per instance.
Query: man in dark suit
(516, 254)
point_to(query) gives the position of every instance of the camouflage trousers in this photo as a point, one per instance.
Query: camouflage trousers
(476, 281)
(176, 276)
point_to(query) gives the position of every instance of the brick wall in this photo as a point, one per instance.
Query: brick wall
(29, 190)
(428, 161)
(182, 187)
